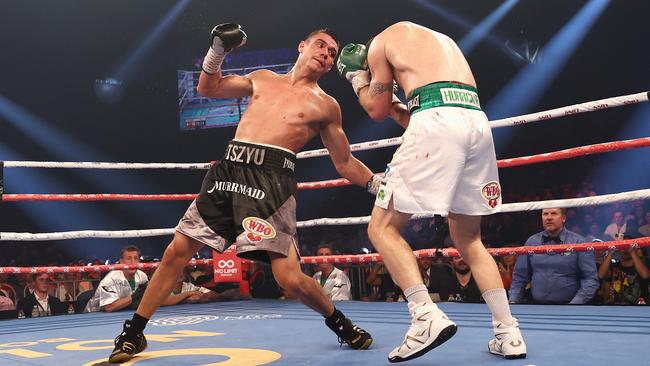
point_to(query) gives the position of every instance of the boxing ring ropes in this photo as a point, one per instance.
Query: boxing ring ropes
(542, 324)
(351, 259)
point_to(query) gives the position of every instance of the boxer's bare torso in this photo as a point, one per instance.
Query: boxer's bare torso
(283, 113)
(414, 66)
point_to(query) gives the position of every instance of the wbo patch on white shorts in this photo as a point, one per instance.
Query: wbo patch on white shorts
(491, 191)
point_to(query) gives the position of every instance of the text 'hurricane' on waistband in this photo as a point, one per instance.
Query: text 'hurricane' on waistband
(443, 94)
(259, 155)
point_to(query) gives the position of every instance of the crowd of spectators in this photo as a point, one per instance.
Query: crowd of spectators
(44, 294)
(571, 277)
(601, 277)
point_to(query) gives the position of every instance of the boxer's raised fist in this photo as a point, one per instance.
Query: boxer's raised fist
(225, 37)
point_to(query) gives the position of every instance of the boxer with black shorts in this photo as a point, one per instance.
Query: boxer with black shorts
(248, 198)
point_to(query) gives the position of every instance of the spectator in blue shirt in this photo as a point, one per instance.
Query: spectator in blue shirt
(568, 277)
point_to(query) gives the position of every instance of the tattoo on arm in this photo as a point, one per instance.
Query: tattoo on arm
(379, 88)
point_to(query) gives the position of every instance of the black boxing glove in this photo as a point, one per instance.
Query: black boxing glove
(225, 37)
(136, 295)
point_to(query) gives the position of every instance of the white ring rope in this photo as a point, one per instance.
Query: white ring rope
(596, 105)
(509, 207)
(641, 194)
(518, 120)
(393, 141)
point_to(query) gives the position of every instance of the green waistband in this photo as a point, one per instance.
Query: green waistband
(443, 94)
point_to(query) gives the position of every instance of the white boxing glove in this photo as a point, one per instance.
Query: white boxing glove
(373, 184)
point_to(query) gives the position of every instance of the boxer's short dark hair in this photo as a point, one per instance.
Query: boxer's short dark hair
(326, 31)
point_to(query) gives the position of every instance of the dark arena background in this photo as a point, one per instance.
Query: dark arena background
(114, 81)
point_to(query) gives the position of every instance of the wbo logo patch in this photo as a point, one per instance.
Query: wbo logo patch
(257, 229)
(492, 192)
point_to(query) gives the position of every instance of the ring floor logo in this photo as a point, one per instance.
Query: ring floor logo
(183, 320)
(196, 319)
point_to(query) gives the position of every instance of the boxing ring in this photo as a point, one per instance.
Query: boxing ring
(279, 332)
(257, 332)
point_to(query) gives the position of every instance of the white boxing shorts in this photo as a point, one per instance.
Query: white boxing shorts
(446, 162)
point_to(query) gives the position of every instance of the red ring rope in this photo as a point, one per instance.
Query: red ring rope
(340, 182)
(451, 252)
(365, 258)
(95, 268)
(575, 152)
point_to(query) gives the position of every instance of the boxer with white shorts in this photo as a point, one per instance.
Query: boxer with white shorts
(446, 165)
(456, 133)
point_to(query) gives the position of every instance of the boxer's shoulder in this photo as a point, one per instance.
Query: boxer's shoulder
(327, 99)
(264, 75)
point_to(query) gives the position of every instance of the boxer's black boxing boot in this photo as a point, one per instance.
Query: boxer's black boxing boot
(127, 344)
(349, 333)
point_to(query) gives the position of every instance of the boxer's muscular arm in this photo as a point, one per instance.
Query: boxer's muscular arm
(338, 146)
(212, 84)
(230, 86)
(377, 97)
(400, 114)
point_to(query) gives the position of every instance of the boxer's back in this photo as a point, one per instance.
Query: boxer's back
(419, 56)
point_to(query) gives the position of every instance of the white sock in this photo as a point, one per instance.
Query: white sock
(497, 301)
(418, 294)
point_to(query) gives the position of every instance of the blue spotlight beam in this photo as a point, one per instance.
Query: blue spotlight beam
(525, 90)
(42, 132)
(459, 20)
(47, 216)
(477, 33)
(129, 66)
(638, 124)
(61, 146)
(635, 162)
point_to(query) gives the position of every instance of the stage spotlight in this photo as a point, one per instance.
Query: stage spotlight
(109, 90)
(522, 49)
(485, 27)
(535, 78)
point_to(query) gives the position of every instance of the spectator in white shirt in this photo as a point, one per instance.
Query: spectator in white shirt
(120, 289)
(616, 229)
(335, 283)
